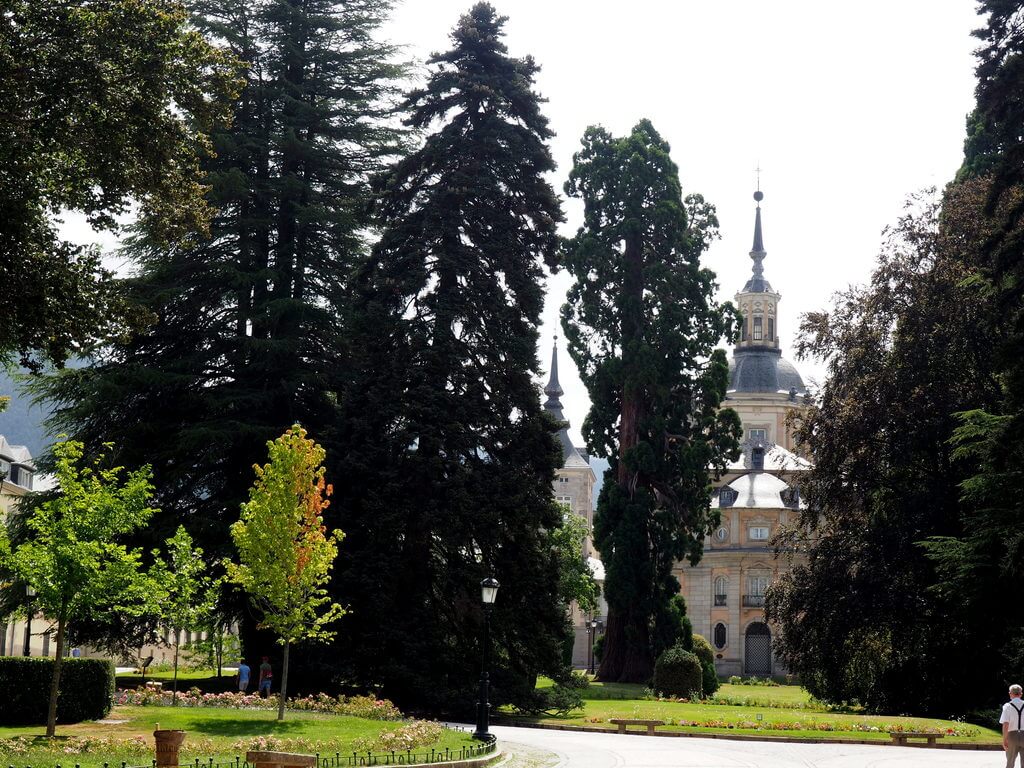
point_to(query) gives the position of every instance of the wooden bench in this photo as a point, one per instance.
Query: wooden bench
(622, 723)
(900, 737)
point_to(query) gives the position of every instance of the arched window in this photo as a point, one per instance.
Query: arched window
(721, 590)
(771, 329)
(758, 320)
(721, 636)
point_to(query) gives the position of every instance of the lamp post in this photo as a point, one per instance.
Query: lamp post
(29, 593)
(593, 634)
(488, 593)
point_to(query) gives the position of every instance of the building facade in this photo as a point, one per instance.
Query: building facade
(574, 487)
(18, 477)
(757, 496)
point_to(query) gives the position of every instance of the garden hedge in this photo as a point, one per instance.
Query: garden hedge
(86, 690)
(677, 672)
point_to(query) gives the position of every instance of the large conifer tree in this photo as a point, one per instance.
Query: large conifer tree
(642, 326)
(451, 457)
(245, 334)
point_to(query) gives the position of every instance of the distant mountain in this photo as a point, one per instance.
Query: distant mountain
(22, 422)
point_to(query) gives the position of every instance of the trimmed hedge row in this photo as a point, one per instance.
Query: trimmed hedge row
(86, 690)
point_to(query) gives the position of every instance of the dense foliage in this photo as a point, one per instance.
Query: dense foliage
(246, 336)
(86, 690)
(642, 326)
(102, 104)
(709, 677)
(861, 620)
(448, 453)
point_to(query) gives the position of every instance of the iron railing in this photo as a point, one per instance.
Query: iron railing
(721, 600)
(753, 601)
(338, 760)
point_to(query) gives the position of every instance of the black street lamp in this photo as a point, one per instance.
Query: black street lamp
(488, 593)
(29, 593)
(593, 633)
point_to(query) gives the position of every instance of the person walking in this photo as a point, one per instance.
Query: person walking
(1012, 720)
(243, 676)
(266, 677)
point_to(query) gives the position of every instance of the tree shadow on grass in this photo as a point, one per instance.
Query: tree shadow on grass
(244, 727)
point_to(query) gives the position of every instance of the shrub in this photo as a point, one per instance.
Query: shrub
(86, 690)
(599, 649)
(576, 680)
(677, 672)
(709, 677)
(557, 701)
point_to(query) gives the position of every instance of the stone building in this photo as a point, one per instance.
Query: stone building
(757, 495)
(574, 487)
(18, 477)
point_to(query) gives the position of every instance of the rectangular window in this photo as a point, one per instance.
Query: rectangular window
(757, 327)
(757, 585)
(563, 479)
(758, 435)
(564, 500)
(771, 329)
(743, 330)
(759, 533)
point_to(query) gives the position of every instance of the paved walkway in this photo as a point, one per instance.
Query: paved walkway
(599, 750)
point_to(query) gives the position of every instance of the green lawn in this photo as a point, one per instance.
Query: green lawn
(211, 732)
(794, 714)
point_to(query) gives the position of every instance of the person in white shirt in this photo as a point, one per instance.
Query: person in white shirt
(1012, 720)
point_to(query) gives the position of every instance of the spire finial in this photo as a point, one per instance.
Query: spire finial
(757, 283)
(554, 390)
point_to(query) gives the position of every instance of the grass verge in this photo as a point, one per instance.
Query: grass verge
(785, 710)
(127, 736)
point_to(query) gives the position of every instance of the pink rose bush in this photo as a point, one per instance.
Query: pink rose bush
(368, 707)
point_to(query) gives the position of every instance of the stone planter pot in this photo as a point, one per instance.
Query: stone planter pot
(168, 744)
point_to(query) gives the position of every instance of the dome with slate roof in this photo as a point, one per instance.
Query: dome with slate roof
(763, 370)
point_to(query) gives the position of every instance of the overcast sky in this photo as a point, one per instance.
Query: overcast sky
(847, 107)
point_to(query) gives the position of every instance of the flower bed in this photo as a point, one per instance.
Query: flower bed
(367, 707)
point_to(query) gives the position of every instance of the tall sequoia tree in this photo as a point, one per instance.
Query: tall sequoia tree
(642, 326)
(246, 333)
(864, 618)
(450, 457)
(102, 104)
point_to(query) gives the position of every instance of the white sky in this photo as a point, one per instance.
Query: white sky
(847, 107)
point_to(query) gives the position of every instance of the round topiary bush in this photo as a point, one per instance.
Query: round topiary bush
(709, 677)
(677, 672)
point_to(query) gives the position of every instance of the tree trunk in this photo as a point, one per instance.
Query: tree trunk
(284, 682)
(174, 689)
(627, 653)
(58, 665)
(218, 644)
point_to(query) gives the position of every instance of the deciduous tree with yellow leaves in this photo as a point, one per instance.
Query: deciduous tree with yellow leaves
(285, 552)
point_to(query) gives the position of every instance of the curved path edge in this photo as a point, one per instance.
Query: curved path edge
(744, 737)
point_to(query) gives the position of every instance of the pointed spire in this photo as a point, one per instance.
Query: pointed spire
(757, 283)
(554, 390)
(758, 241)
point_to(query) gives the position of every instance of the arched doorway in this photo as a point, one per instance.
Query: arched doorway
(757, 650)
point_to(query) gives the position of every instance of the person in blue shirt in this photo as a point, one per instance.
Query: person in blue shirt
(243, 676)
